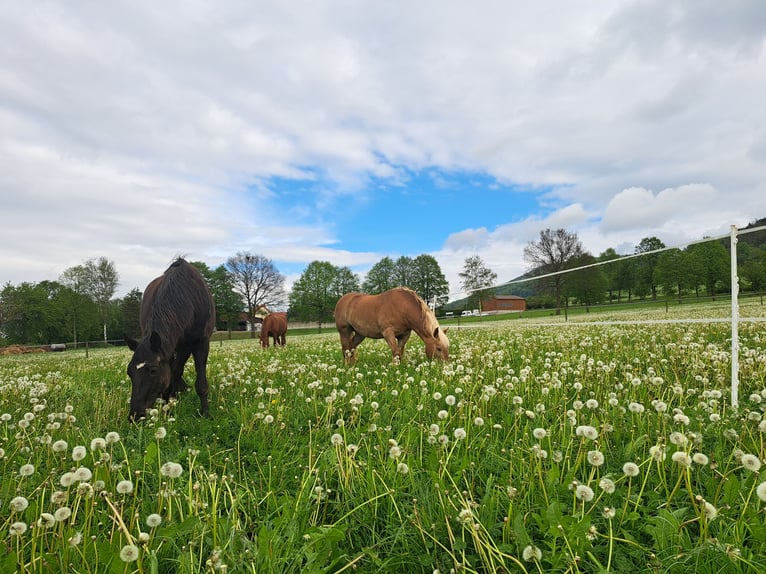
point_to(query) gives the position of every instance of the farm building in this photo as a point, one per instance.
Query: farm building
(504, 303)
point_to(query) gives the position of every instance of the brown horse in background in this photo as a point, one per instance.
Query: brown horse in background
(275, 326)
(391, 315)
(177, 318)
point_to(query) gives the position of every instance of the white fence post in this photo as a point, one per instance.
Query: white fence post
(734, 321)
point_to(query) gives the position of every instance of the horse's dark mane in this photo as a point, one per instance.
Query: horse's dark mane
(180, 286)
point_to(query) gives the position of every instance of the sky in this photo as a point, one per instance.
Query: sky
(348, 131)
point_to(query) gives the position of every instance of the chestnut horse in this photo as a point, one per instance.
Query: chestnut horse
(177, 317)
(391, 315)
(274, 326)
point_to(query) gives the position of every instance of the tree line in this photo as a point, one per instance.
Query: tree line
(651, 272)
(80, 305)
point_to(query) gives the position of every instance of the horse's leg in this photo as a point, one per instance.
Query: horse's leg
(401, 342)
(390, 336)
(354, 343)
(177, 383)
(345, 341)
(349, 341)
(200, 365)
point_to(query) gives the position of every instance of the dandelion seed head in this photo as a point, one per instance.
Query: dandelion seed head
(595, 457)
(19, 504)
(710, 511)
(630, 469)
(459, 433)
(171, 470)
(129, 553)
(124, 487)
(62, 513)
(78, 453)
(83, 474)
(58, 497)
(700, 458)
(531, 553)
(760, 490)
(465, 516)
(153, 520)
(678, 439)
(681, 458)
(587, 431)
(657, 452)
(59, 446)
(607, 485)
(681, 419)
(26, 470)
(584, 493)
(17, 528)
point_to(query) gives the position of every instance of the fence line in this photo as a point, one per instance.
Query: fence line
(734, 319)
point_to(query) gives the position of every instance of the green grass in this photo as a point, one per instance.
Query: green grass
(490, 463)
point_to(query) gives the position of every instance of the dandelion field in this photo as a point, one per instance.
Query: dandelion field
(537, 448)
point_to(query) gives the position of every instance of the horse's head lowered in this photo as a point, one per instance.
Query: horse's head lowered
(437, 346)
(149, 373)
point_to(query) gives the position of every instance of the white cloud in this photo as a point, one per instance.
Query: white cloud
(637, 207)
(117, 141)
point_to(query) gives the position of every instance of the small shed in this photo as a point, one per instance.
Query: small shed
(504, 304)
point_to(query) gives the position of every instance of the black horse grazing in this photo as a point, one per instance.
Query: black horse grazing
(177, 318)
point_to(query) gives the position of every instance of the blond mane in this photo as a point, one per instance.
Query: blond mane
(429, 322)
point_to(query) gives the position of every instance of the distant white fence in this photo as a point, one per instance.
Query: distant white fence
(735, 318)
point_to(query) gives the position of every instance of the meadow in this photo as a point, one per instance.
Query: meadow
(540, 447)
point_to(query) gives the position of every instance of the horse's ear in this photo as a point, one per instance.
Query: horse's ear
(132, 343)
(155, 343)
(445, 330)
(436, 333)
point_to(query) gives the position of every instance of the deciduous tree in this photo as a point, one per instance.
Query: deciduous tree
(645, 281)
(314, 295)
(228, 303)
(100, 282)
(381, 277)
(428, 281)
(476, 279)
(257, 280)
(553, 253)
